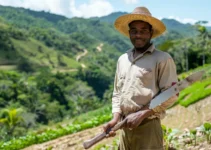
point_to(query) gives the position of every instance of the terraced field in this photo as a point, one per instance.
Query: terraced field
(177, 117)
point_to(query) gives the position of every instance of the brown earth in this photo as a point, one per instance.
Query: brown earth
(177, 117)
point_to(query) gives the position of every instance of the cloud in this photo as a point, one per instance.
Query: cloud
(10, 2)
(186, 20)
(57, 6)
(131, 1)
(92, 8)
(65, 7)
(183, 20)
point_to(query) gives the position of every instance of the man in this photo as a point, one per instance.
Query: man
(142, 73)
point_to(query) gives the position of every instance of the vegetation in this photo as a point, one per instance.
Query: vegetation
(201, 90)
(175, 139)
(35, 138)
(42, 82)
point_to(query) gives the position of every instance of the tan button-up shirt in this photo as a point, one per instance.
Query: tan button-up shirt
(138, 80)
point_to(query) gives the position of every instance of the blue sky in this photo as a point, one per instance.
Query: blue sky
(185, 11)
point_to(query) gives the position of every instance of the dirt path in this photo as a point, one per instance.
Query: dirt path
(72, 141)
(195, 115)
(177, 117)
(78, 57)
(99, 48)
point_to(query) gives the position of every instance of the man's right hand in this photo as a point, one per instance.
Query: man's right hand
(111, 124)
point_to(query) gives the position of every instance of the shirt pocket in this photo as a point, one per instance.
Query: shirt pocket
(144, 76)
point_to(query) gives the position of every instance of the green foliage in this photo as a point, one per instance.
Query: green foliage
(4, 38)
(105, 110)
(46, 97)
(206, 68)
(97, 79)
(57, 40)
(10, 118)
(94, 28)
(26, 66)
(50, 134)
(201, 90)
(20, 18)
(206, 129)
(39, 43)
(193, 134)
(43, 56)
(169, 136)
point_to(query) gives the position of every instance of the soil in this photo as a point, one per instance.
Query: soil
(177, 117)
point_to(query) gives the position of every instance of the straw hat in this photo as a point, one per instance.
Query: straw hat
(139, 13)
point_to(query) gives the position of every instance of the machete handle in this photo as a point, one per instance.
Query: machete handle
(88, 143)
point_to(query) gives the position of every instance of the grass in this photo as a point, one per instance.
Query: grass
(194, 93)
(105, 110)
(86, 121)
(40, 54)
(206, 68)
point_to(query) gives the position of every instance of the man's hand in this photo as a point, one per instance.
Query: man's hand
(111, 124)
(135, 119)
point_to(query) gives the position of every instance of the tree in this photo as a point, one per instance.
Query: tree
(11, 118)
(205, 37)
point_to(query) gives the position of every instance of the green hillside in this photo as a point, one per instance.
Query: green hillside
(102, 115)
(18, 46)
(54, 68)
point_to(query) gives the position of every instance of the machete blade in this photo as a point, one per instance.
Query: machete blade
(175, 89)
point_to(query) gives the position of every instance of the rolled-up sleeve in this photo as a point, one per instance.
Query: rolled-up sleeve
(116, 94)
(167, 76)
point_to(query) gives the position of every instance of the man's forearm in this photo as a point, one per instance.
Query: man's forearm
(116, 116)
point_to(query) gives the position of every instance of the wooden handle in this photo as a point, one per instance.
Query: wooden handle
(87, 144)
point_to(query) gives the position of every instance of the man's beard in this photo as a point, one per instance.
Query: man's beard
(144, 48)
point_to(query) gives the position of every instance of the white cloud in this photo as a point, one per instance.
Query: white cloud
(186, 20)
(65, 7)
(11, 2)
(55, 6)
(131, 1)
(183, 20)
(92, 8)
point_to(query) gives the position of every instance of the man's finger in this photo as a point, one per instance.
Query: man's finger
(112, 133)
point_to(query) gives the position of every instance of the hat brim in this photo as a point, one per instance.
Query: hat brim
(121, 24)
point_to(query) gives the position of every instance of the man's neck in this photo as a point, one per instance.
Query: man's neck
(141, 50)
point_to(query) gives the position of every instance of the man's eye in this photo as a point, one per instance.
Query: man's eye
(133, 31)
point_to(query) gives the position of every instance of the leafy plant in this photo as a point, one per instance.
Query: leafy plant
(169, 136)
(193, 134)
(206, 129)
(10, 119)
(35, 138)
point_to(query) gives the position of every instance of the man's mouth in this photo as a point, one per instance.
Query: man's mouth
(139, 40)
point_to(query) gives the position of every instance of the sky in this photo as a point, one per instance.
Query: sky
(185, 11)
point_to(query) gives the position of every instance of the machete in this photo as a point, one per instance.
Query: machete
(162, 97)
(175, 89)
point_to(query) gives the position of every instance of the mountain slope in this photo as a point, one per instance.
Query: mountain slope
(177, 118)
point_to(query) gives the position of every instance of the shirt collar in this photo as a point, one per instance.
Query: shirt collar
(150, 49)
(130, 53)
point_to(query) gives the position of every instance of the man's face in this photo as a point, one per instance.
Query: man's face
(140, 33)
